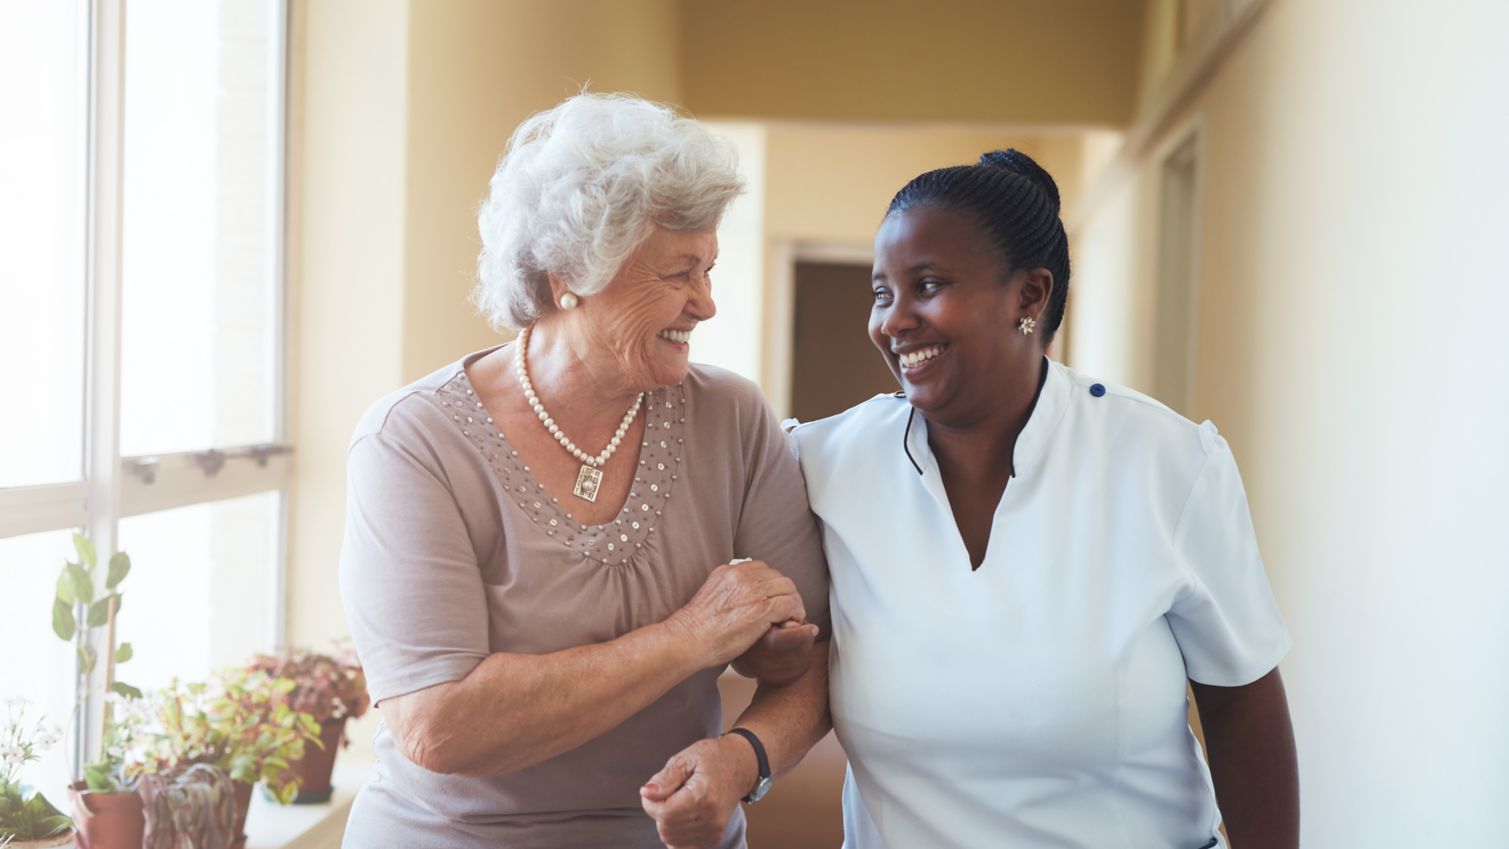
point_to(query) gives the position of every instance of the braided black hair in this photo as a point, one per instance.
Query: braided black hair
(1017, 204)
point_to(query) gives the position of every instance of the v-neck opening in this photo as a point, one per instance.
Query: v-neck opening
(616, 541)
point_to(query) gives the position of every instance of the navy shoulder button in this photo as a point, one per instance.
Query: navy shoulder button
(1097, 389)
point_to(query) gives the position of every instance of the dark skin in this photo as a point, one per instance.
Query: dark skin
(1252, 761)
(942, 288)
(940, 284)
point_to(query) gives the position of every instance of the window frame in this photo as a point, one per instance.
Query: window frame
(113, 487)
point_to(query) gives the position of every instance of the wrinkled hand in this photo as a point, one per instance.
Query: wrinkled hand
(694, 796)
(736, 605)
(781, 655)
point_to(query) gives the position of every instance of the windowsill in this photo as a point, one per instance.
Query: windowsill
(273, 826)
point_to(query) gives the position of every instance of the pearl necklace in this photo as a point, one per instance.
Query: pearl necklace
(589, 480)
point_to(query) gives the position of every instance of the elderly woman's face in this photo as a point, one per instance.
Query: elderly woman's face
(643, 318)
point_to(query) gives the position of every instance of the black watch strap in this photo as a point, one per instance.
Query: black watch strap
(764, 782)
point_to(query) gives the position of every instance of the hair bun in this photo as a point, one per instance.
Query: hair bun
(1018, 162)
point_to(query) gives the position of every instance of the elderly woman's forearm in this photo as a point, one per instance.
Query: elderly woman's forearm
(516, 710)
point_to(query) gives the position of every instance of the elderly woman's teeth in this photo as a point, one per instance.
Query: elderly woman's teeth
(917, 358)
(681, 336)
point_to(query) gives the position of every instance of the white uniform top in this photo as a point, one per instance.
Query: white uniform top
(1039, 701)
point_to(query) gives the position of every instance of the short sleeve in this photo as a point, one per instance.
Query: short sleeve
(1226, 621)
(409, 579)
(776, 524)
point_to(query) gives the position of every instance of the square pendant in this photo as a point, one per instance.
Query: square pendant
(587, 482)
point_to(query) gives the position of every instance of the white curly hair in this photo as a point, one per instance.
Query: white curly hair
(582, 185)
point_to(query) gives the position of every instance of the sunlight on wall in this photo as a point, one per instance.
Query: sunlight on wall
(1349, 343)
(733, 338)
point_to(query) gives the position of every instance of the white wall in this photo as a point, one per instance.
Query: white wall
(1351, 346)
(733, 338)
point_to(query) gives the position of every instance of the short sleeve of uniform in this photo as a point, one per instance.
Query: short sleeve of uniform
(1225, 620)
(776, 524)
(409, 579)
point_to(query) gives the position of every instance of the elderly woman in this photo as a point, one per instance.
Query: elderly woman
(1030, 565)
(539, 561)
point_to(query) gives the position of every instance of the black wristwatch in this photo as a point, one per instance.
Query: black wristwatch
(763, 785)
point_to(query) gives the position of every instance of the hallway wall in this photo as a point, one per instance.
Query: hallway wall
(1350, 345)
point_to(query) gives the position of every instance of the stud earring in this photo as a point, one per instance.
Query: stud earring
(1026, 325)
(569, 301)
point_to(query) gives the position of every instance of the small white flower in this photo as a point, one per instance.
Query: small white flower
(12, 754)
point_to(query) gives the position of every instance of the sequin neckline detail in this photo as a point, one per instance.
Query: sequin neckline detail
(615, 542)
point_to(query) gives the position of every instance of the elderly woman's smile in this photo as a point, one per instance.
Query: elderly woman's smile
(644, 318)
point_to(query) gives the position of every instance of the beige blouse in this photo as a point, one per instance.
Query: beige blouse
(453, 551)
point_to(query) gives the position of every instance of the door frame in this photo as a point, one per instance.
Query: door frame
(782, 256)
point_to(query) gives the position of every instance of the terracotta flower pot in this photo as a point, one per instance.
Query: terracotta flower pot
(107, 820)
(243, 804)
(64, 839)
(315, 767)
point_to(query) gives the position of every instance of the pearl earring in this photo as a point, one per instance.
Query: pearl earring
(1027, 324)
(569, 301)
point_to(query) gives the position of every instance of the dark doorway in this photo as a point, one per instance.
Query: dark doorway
(833, 363)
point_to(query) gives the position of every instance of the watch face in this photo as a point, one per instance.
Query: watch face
(760, 790)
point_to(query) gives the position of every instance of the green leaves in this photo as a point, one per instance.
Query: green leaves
(243, 767)
(74, 585)
(311, 727)
(29, 817)
(120, 567)
(85, 547)
(99, 612)
(63, 623)
(99, 778)
(76, 612)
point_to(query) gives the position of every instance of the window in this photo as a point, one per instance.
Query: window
(43, 165)
(199, 249)
(35, 666)
(206, 570)
(141, 334)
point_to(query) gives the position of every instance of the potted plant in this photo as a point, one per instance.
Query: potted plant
(107, 810)
(240, 722)
(27, 819)
(194, 806)
(332, 689)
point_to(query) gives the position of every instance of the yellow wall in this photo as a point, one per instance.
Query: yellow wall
(1349, 343)
(983, 61)
(346, 217)
(830, 182)
(476, 69)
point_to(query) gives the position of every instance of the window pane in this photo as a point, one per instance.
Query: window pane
(42, 171)
(201, 204)
(34, 664)
(200, 594)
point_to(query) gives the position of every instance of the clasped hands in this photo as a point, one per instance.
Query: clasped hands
(752, 615)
